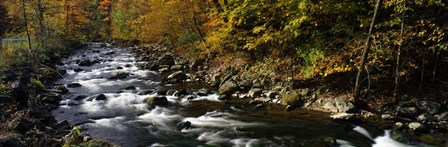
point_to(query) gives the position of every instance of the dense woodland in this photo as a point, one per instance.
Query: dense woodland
(295, 39)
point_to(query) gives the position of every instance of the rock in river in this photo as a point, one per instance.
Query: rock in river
(156, 101)
(430, 107)
(101, 97)
(415, 126)
(184, 125)
(166, 60)
(119, 75)
(177, 77)
(339, 105)
(74, 85)
(228, 88)
(255, 92)
(86, 62)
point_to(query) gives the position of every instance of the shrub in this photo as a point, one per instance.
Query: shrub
(37, 83)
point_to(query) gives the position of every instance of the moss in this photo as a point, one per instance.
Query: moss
(291, 98)
(37, 83)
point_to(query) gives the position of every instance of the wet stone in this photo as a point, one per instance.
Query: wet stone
(101, 97)
(74, 85)
(80, 97)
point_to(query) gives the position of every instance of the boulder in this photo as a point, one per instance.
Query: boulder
(9, 141)
(80, 97)
(62, 125)
(245, 85)
(407, 111)
(154, 67)
(101, 97)
(442, 117)
(430, 107)
(400, 136)
(73, 85)
(128, 65)
(272, 94)
(203, 92)
(118, 75)
(62, 89)
(190, 97)
(339, 105)
(228, 88)
(343, 116)
(130, 88)
(259, 106)
(163, 70)
(215, 80)
(86, 62)
(21, 125)
(156, 101)
(20, 89)
(425, 117)
(262, 100)
(387, 116)
(49, 100)
(77, 70)
(166, 60)
(177, 67)
(177, 77)
(184, 125)
(62, 71)
(416, 126)
(181, 92)
(289, 108)
(119, 67)
(146, 92)
(223, 97)
(197, 63)
(255, 92)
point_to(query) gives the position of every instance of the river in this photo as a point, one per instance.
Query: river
(124, 119)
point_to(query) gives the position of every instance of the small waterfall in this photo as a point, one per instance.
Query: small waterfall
(363, 132)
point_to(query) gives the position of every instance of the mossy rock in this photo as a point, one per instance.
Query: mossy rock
(156, 101)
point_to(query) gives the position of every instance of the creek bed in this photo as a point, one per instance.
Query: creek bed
(124, 119)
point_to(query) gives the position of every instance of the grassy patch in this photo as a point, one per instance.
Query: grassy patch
(291, 98)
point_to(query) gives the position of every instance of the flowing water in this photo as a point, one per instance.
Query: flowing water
(124, 119)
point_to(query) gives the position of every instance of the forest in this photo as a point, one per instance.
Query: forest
(302, 38)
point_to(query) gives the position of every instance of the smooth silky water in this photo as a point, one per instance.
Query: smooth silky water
(124, 119)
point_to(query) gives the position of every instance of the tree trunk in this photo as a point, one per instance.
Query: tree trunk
(397, 68)
(27, 31)
(365, 55)
(67, 10)
(422, 75)
(42, 34)
(435, 67)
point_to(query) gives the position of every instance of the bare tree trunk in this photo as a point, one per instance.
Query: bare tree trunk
(42, 34)
(67, 10)
(422, 76)
(27, 31)
(435, 67)
(397, 68)
(365, 55)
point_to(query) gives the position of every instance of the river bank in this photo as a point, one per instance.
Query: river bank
(27, 97)
(146, 94)
(417, 116)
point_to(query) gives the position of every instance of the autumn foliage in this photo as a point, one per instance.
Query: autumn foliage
(303, 38)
